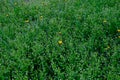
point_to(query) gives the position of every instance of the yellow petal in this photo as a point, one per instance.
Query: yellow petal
(60, 42)
(104, 21)
(118, 36)
(26, 21)
(118, 30)
(41, 17)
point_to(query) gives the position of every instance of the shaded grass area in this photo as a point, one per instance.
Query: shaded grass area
(60, 40)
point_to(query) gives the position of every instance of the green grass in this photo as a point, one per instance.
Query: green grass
(30, 32)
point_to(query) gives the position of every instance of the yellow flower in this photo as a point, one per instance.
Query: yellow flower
(27, 21)
(41, 17)
(118, 30)
(104, 21)
(60, 42)
(118, 36)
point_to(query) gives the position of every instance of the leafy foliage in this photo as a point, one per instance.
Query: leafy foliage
(59, 40)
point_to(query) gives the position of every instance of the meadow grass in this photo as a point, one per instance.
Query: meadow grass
(59, 40)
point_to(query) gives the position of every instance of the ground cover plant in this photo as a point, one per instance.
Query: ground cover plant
(59, 39)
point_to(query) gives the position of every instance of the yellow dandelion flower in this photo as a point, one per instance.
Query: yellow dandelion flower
(104, 21)
(118, 36)
(60, 42)
(118, 30)
(41, 17)
(27, 21)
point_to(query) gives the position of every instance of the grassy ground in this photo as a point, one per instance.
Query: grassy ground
(60, 40)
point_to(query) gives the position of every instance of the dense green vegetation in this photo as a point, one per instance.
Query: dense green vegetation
(60, 40)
